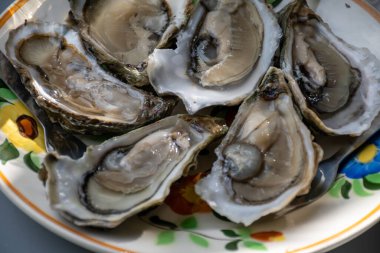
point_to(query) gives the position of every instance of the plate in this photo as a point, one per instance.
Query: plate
(185, 223)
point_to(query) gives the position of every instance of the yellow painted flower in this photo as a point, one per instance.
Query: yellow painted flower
(366, 162)
(367, 154)
(20, 128)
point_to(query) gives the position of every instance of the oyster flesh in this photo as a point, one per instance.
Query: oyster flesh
(266, 159)
(129, 173)
(338, 84)
(221, 55)
(122, 33)
(72, 88)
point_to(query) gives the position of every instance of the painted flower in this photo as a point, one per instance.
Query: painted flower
(268, 236)
(20, 128)
(183, 199)
(364, 163)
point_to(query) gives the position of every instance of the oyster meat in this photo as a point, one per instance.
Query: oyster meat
(72, 88)
(266, 159)
(221, 55)
(122, 33)
(127, 174)
(338, 85)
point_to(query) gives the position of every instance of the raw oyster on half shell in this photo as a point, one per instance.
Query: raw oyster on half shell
(123, 33)
(221, 55)
(70, 85)
(337, 85)
(127, 174)
(267, 158)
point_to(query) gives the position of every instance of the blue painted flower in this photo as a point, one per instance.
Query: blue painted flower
(365, 162)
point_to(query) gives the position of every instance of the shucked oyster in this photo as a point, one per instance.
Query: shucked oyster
(338, 84)
(122, 33)
(267, 158)
(127, 174)
(69, 84)
(221, 55)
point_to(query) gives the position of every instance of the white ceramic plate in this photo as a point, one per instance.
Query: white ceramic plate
(184, 223)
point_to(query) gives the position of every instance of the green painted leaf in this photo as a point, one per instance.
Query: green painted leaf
(230, 233)
(232, 246)
(8, 152)
(3, 101)
(274, 3)
(200, 241)
(244, 232)
(254, 245)
(370, 185)
(158, 221)
(346, 188)
(7, 94)
(32, 161)
(165, 238)
(359, 189)
(374, 178)
(189, 223)
(36, 160)
(336, 188)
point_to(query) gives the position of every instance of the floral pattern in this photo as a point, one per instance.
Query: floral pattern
(360, 173)
(23, 135)
(366, 162)
(233, 239)
(183, 199)
(18, 124)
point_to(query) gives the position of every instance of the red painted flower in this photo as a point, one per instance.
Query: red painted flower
(269, 236)
(183, 199)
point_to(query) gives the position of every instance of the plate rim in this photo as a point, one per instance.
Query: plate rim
(70, 234)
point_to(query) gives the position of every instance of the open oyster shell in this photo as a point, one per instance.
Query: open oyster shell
(122, 33)
(337, 85)
(72, 88)
(221, 55)
(127, 174)
(266, 159)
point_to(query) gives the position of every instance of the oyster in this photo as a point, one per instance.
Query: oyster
(72, 88)
(338, 84)
(127, 174)
(221, 55)
(266, 159)
(122, 33)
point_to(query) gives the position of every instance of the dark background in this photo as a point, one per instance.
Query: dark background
(20, 234)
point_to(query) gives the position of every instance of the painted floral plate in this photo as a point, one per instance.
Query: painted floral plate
(185, 223)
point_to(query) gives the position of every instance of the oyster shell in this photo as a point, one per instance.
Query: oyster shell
(72, 88)
(266, 159)
(127, 174)
(221, 55)
(338, 84)
(122, 33)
